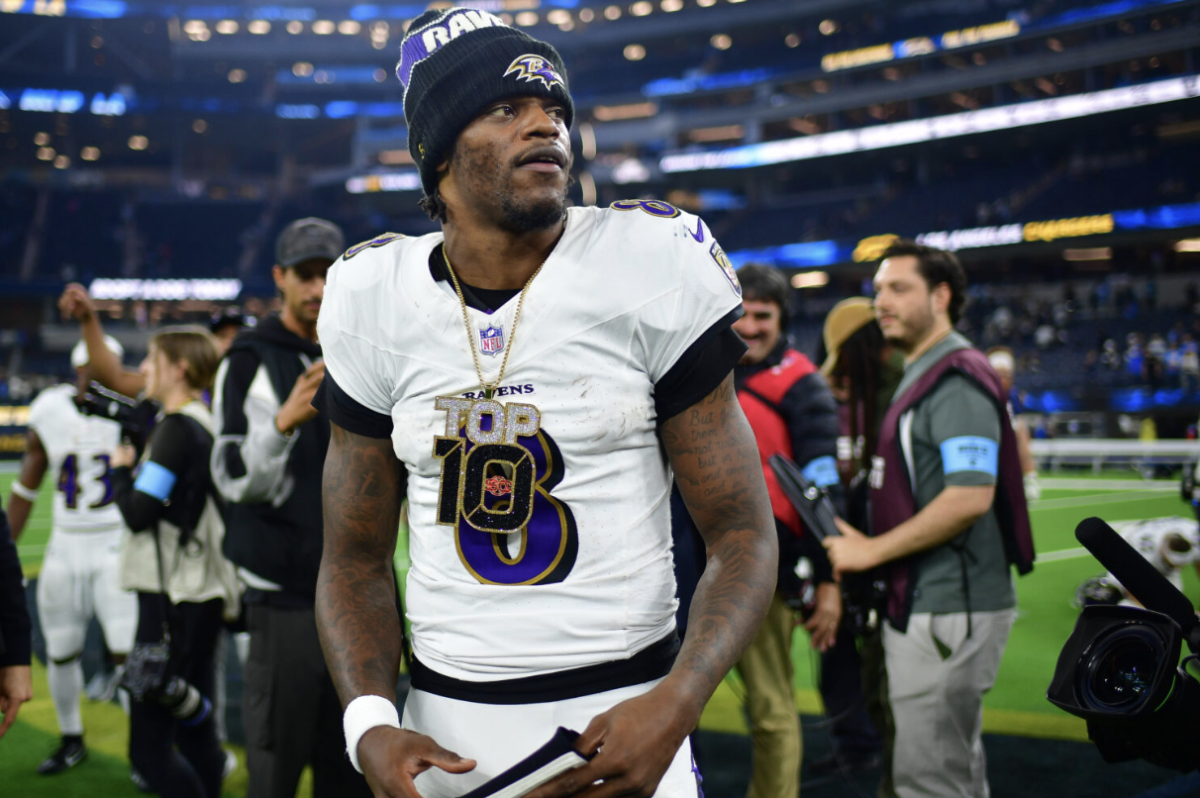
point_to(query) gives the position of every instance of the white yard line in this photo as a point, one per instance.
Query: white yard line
(1088, 501)
(1052, 483)
(1063, 554)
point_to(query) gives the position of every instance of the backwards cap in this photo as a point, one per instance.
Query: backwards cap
(453, 63)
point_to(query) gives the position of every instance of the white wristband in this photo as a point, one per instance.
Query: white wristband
(363, 714)
(28, 494)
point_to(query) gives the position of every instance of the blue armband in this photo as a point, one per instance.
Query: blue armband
(970, 453)
(155, 480)
(822, 471)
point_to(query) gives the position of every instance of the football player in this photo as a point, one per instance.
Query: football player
(530, 377)
(1169, 544)
(79, 572)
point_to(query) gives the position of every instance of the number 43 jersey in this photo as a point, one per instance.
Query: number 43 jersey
(540, 521)
(78, 448)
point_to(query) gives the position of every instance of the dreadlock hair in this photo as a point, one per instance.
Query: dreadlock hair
(860, 359)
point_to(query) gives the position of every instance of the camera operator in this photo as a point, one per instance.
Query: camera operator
(791, 412)
(172, 558)
(947, 512)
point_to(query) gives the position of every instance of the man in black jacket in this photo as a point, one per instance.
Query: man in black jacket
(792, 412)
(267, 462)
(15, 683)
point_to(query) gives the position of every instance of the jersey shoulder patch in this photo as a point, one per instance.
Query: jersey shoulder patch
(378, 241)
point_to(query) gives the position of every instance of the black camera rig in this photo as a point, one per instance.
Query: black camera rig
(1120, 668)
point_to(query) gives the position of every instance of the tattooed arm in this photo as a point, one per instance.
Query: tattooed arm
(356, 603)
(717, 468)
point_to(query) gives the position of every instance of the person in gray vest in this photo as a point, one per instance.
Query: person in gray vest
(948, 515)
(267, 463)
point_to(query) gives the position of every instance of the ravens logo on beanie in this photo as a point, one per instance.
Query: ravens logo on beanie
(453, 63)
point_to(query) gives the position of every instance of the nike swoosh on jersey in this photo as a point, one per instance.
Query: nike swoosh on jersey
(699, 234)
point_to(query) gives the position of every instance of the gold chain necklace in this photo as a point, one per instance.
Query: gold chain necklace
(489, 388)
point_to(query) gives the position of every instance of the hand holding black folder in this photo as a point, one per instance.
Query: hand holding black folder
(555, 757)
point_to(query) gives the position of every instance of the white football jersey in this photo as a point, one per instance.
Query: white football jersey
(540, 521)
(1147, 537)
(78, 448)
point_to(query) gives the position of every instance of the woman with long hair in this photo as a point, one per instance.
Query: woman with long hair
(172, 557)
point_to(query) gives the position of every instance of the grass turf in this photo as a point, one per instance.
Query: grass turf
(1016, 706)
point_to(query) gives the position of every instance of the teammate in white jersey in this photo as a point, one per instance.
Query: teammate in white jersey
(79, 573)
(1169, 544)
(531, 378)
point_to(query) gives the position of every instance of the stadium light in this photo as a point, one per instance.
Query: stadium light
(587, 187)
(558, 16)
(671, 6)
(62, 162)
(587, 15)
(259, 26)
(302, 69)
(721, 133)
(613, 12)
(895, 134)
(295, 26)
(1088, 253)
(395, 157)
(810, 279)
(721, 41)
(612, 113)
(199, 126)
(237, 76)
(227, 27)
(587, 140)
(138, 143)
(828, 27)
(642, 8)
(792, 40)
(634, 52)
(45, 153)
(90, 153)
(323, 27)
(41, 139)
(1188, 245)
(706, 3)
(349, 27)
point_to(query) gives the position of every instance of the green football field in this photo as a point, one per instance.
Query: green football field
(1016, 706)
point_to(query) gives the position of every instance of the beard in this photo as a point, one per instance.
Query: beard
(527, 215)
(515, 211)
(911, 331)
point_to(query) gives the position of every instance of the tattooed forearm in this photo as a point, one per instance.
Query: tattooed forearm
(356, 594)
(717, 468)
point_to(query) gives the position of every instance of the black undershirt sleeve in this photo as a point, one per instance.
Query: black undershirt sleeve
(171, 446)
(700, 369)
(338, 406)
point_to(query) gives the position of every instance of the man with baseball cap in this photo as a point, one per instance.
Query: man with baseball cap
(266, 462)
(530, 377)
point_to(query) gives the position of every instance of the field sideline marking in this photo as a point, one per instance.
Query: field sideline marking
(1050, 483)
(1061, 554)
(1084, 501)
